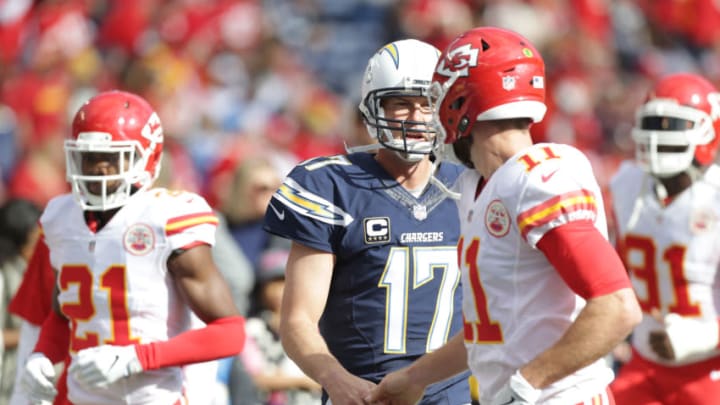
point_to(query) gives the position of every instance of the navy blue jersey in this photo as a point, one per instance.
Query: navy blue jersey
(395, 292)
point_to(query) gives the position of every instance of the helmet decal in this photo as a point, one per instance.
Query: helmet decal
(152, 130)
(508, 82)
(392, 50)
(459, 61)
(538, 82)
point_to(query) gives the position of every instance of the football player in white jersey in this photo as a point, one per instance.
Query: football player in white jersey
(667, 209)
(545, 295)
(132, 263)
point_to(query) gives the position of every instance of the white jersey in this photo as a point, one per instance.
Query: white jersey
(672, 252)
(515, 303)
(114, 285)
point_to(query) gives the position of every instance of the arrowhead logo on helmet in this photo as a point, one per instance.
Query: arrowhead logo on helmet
(459, 60)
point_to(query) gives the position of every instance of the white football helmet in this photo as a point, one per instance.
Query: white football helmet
(399, 69)
(677, 127)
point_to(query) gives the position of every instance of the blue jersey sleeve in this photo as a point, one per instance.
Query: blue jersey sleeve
(307, 206)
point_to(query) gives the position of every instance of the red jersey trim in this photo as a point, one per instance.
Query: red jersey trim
(563, 204)
(179, 224)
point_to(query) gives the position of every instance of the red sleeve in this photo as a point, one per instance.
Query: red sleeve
(223, 337)
(54, 339)
(33, 299)
(585, 259)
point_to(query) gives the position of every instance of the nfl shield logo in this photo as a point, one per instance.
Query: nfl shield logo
(420, 212)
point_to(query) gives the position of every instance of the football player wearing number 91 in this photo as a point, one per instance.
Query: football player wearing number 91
(545, 295)
(132, 262)
(667, 209)
(372, 281)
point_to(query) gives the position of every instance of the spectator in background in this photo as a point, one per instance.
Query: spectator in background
(667, 208)
(372, 281)
(253, 182)
(18, 234)
(228, 255)
(240, 197)
(279, 380)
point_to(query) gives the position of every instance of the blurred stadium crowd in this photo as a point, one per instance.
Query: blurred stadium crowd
(238, 78)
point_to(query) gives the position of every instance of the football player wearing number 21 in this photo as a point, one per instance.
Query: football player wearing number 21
(545, 295)
(372, 280)
(132, 261)
(667, 209)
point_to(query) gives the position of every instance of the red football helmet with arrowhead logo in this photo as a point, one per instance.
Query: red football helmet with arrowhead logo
(487, 74)
(120, 128)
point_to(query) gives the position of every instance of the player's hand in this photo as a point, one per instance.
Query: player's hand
(660, 344)
(517, 391)
(689, 337)
(344, 388)
(37, 379)
(103, 365)
(396, 388)
(659, 340)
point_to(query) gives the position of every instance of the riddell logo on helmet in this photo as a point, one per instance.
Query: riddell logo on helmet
(152, 129)
(461, 59)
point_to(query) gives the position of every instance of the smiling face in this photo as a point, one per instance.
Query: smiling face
(407, 120)
(408, 113)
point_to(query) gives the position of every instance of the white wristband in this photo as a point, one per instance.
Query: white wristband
(690, 337)
(522, 387)
(517, 391)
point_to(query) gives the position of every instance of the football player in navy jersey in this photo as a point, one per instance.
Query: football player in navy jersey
(372, 279)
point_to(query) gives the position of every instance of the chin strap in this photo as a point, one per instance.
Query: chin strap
(637, 206)
(434, 180)
(439, 184)
(362, 148)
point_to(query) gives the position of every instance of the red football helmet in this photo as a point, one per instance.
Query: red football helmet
(678, 123)
(120, 127)
(486, 74)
